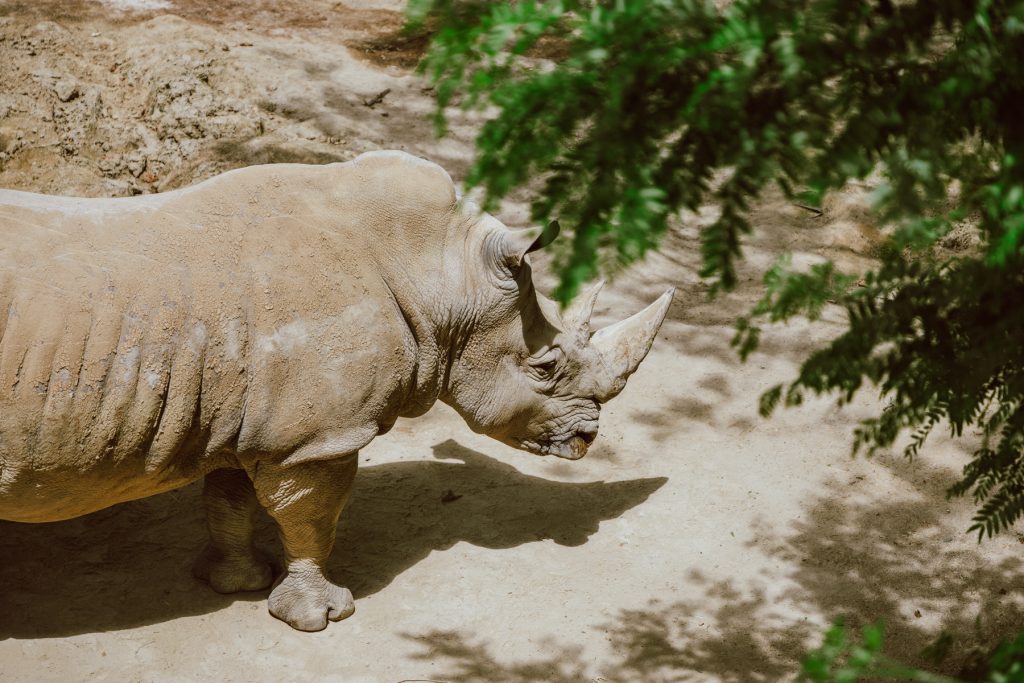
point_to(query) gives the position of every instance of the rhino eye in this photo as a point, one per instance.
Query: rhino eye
(547, 366)
(546, 362)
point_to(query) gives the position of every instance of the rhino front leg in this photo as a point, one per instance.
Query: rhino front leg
(230, 563)
(305, 500)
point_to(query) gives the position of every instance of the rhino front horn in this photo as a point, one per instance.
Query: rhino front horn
(623, 345)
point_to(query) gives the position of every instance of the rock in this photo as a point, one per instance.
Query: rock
(111, 167)
(136, 164)
(119, 188)
(66, 89)
(93, 102)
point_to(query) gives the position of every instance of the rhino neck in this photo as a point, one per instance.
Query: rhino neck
(405, 214)
(431, 359)
(428, 287)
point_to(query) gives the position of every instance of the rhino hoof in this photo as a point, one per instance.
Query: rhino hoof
(307, 602)
(234, 574)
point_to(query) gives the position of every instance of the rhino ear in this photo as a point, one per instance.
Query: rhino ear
(518, 243)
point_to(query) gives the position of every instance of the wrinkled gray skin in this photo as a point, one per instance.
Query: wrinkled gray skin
(257, 330)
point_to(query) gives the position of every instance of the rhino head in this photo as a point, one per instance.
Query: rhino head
(528, 374)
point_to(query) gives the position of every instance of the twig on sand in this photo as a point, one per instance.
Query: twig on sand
(376, 99)
(813, 209)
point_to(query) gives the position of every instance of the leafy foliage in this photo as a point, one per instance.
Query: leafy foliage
(660, 106)
(844, 659)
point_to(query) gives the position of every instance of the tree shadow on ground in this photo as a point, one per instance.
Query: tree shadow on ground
(906, 562)
(899, 561)
(661, 642)
(130, 565)
(238, 154)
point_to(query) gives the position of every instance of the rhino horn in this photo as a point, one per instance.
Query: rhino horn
(516, 244)
(623, 345)
(576, 317)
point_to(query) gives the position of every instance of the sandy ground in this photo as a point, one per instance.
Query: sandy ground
(696, 541)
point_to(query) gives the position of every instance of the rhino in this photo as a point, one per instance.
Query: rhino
(257, 330)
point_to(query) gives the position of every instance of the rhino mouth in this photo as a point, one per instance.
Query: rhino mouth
(573, 448)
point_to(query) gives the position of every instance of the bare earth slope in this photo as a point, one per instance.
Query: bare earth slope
(695, 542)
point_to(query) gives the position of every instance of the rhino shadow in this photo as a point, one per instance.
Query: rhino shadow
(129, 565)
(420, 507)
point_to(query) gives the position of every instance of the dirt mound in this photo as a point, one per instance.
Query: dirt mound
(142, 104)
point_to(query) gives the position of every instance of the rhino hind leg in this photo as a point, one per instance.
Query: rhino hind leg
(306, 500)
(230, 563)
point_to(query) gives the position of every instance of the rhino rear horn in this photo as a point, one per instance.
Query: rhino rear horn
(623, 345)
(576, 317)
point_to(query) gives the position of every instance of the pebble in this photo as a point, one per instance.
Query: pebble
(66, 89)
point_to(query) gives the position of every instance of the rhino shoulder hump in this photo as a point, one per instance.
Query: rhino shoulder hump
(391, 170)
